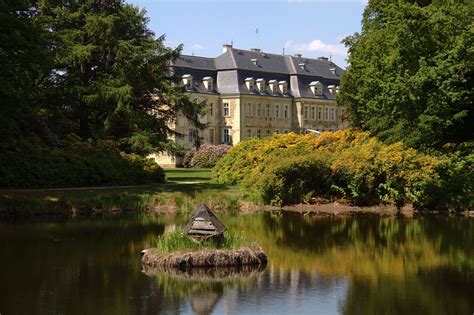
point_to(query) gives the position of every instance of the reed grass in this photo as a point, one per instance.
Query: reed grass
(178, 241)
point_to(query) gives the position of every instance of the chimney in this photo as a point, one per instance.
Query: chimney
(226, 47)
(255, 49)
(322, 58)
(298, 55)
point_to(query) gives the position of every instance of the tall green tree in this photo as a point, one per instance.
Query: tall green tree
(110, 78)
(24, 67)
(410, 73)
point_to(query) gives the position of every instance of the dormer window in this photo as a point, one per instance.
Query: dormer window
(250, 83)
(273, 86)
(302, 66)
(283, 85)
(254, 61)
(332, 89)
(188, 81)
(261, 85)
(333, 70)
(316, 88)
(208, 83)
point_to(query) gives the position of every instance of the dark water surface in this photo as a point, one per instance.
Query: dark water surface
(316, 266)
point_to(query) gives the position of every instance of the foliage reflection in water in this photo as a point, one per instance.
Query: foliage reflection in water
(352, 266)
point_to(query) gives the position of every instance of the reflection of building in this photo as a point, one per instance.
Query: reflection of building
(254, 94)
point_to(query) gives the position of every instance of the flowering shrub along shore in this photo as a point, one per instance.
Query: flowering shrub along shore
(347, 164)
(206, 156)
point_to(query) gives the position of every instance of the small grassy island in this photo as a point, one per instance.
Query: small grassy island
(204, 243)
(179, 250)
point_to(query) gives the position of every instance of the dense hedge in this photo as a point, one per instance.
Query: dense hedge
(77, 164)
(288, 169)
(206, 156)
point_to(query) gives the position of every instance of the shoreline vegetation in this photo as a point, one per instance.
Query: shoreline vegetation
(185, 189)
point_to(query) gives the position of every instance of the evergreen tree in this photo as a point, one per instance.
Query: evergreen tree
(110, 78)
(410, 73)
(24, 67)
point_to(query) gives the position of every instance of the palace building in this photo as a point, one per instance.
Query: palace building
(251, 93)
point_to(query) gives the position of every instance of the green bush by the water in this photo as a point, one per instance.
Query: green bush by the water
(178, 241)
(289, 169)
(77, 164)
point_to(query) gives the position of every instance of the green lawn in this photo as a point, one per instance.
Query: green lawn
(186, 188)
(188, 174)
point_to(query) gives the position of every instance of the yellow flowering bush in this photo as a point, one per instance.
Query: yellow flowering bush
(289, 169)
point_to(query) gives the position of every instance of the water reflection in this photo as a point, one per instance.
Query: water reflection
(203, 288)
(328, 266)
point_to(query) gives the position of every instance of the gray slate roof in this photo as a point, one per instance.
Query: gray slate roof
(231, 68)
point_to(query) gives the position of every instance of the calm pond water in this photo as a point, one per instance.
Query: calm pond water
(316, 266)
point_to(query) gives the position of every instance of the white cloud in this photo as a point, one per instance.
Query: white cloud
(197, 47)
(317, 46)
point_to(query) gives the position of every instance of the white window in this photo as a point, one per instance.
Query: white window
(283, 87)
(259, 133)
(208, 83)
(316, 88)
(261, 85)
(305, 112)
(226, 136)
(320, 113)
(226, 110)
(192, 134)
(276, 131)
(326, 113)
(268, 113)
(332, 113)
(250, 83)
(268, 132)
(188, 81)
(211, 109)
(249, 133)
(313, 112)
(286, 111)
(259, 110)
(273, 86)
(277, 110)
(249, 110)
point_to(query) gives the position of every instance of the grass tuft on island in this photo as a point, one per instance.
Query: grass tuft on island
(178, 241)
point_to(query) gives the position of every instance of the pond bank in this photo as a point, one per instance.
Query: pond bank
(153, 258)
(163, 201)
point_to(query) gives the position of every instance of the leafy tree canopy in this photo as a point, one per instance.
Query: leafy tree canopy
(24, 66)
(92, 68)
(410, 73)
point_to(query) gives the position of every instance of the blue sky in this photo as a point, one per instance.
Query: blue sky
(310, 27)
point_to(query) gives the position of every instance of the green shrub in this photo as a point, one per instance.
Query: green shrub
(188, 157)
(290, 180)
(77, 164)
(452, 188)
(288, 169)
